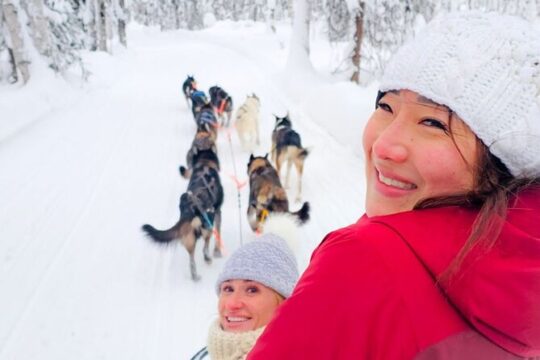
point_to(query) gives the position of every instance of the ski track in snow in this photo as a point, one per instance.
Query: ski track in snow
(81, 279)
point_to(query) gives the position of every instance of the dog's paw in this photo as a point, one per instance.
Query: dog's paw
(217, 253)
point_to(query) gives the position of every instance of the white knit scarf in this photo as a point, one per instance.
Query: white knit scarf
(224, 345)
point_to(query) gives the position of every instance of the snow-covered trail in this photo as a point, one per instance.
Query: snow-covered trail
(78, 278)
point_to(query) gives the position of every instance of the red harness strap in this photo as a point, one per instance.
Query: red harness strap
(222, 106)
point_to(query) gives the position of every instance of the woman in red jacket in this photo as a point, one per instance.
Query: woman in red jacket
(445, 264)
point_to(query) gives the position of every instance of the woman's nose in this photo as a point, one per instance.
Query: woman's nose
(392, 142)
(234, 301)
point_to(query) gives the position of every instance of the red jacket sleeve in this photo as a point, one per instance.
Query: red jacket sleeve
(345, 291)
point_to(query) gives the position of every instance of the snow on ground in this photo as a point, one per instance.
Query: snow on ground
(84, 166)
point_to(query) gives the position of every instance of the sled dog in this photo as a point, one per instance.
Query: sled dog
(200, 210)
(222, 103)
(198, 99)
(204, 140)
(247, 123)
(266, 195)
(287, 148)
(206, 119)
(188, 87)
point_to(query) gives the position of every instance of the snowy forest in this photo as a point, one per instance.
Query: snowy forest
(94, 125)
(55, 33)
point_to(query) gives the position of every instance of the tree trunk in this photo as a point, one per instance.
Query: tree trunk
(299, 48)
(90, 23)
(101, 25)
(358, 36)
(122, 22)
(16, 44)
(176, 15)
(13, 77)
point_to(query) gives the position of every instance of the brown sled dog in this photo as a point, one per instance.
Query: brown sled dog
(266, 195)
(287, 148)
(200, 210)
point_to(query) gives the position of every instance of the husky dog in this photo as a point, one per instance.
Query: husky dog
(287, 147)
(206, 119)
(188, 87)
(266, 195)
(198, 99)
(222, 103)
(247, 122)
(200, 210)
(204, 140)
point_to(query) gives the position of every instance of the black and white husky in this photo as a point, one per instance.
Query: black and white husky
(287, 148)
(200, 210)
(188, 87)
(222, 103)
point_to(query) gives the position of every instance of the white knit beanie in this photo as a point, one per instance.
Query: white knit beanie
(268, 259)
(486, 68)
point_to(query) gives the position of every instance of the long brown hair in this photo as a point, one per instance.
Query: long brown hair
(493, 188)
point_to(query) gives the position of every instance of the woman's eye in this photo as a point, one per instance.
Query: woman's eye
(436, 124)
(252, 290)
(384, 106)
(227, 289)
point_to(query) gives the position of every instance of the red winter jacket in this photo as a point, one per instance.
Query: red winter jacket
(369, 292)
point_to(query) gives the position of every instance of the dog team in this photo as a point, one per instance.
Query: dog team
(200, 205)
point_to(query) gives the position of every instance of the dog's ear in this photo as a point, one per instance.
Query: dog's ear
(251, 157)
(266, 156)
(277, 117)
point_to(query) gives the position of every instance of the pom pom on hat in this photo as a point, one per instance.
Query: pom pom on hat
(486, 68)
(269, 259)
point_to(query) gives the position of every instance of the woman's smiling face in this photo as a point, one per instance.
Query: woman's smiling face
(246, 305)
(413, 154)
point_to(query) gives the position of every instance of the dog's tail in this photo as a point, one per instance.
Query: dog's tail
(303, 153)
(303, 213)
(185, 172)
(162, 236)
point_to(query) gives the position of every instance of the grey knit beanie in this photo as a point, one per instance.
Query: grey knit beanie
(269, 259)
(486, 68)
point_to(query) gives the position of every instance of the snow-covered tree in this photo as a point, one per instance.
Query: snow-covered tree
(299, 46)
(15, 43)
(65, 35)
(387, 24)
(338, 18)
